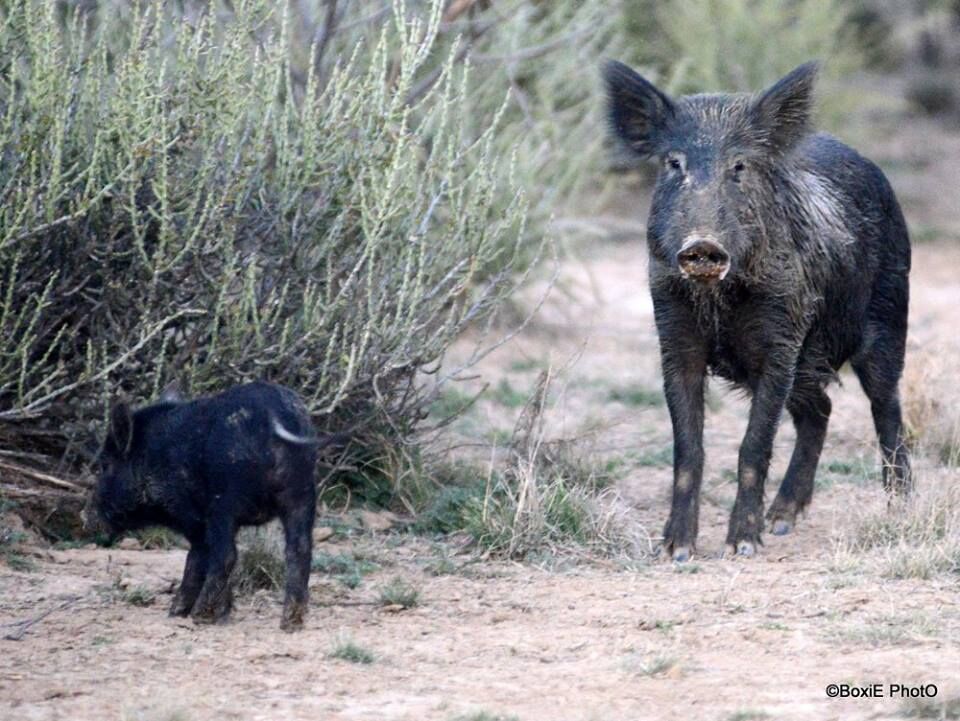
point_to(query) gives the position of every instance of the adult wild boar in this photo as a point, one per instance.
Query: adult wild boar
(205, 468)
(776, 255)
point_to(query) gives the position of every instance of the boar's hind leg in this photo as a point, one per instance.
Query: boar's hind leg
(193, 574)
(879, 373)
(810, 408)
(216, 598)
(298, 533)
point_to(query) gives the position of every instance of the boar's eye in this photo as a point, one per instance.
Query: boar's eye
(737, 170)
(674, 161)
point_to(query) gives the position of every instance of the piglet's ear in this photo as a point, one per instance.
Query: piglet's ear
(121, 426)
(781, 114)
(638, 111)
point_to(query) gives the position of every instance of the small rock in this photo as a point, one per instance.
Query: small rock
(394, 608)
(322, 534)
(129, 544)
(381, 521)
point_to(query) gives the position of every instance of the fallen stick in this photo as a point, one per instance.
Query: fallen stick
(23, 470)
(30, 622)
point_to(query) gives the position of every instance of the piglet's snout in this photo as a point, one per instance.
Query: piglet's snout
(703, 259)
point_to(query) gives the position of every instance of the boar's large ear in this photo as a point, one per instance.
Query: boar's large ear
(781, 114)
(638, 110)
(121, 426)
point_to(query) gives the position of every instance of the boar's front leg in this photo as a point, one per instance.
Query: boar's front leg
(684, 370)
(193, 575)
(216, 599)
(769, 397)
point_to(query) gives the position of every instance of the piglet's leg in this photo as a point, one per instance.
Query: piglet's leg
(298, 532)
(193, 575)
(216, 598)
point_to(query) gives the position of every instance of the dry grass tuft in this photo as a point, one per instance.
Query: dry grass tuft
(260, 565)
(931, 404)
(549, 498)
(914, 538)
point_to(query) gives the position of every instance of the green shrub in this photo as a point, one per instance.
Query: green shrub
(725, 45)
(179, 202)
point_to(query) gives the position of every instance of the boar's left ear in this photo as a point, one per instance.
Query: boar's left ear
(639, 112)
(781, 113)
(121, 426)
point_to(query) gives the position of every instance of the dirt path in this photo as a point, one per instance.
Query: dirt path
(715, 639)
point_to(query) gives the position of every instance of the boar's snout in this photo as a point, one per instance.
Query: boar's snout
(703, 259)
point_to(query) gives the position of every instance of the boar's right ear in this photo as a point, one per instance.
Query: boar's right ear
(638, 111)
(121, 426)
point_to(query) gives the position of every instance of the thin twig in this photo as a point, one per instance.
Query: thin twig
(322, 39)
(533, 52)
(33, 408)
(23, 470)
(30, 622)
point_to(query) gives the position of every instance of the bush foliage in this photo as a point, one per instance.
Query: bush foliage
(176, 205)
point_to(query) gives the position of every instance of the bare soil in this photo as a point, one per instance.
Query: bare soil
(558, 640)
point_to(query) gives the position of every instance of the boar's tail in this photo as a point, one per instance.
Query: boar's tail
(284, 435)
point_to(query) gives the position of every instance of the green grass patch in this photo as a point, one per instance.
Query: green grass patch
(347, 568)
(139, 596)
(159, 538)
(655, 457)
(484, 716)
(451, 402)
(527, 364)
(506, 395)
(637, 396)
(399, 592)
(352, 652)
(749, 715)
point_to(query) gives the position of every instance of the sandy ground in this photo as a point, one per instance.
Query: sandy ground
(730, 640)
(715, 639)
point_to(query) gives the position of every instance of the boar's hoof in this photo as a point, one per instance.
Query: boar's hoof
(746, 549)
(781, 527)
(179, 608)
(681, 554)
(293, 617)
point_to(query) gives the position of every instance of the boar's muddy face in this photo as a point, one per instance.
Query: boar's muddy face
(720, 158)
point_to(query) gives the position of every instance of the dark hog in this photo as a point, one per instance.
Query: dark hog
(205, 468)
(776, 254)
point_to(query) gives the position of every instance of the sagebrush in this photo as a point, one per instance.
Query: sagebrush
(178, 204)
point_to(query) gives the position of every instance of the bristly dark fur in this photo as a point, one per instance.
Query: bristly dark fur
(207, 467)
(819, 258)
